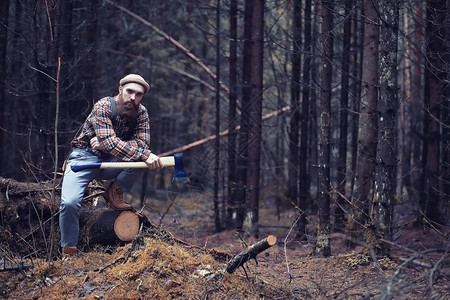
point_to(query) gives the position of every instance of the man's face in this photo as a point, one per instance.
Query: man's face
(130, 96)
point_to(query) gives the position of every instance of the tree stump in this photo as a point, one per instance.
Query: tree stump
(251, 252)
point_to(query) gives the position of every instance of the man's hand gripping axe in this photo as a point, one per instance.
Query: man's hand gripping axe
(176, 161)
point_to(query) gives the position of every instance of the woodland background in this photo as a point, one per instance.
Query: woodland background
(338, 109)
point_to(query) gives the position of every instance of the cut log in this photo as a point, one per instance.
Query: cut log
(109, 227)
(12, 187)
(126, 226)
(251, 252)
(25, 218)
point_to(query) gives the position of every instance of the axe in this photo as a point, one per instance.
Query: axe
(176, 161)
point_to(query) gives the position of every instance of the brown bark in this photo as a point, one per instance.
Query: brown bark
(251, 252)
(108, 227)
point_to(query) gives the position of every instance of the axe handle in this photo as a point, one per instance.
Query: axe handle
(168, 161)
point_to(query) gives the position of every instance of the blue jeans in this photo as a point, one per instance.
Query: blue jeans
(75, 183)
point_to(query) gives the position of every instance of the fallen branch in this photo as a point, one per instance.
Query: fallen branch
(251, 252)
(285, 249)
(110, 264)
(12, 187)
(416, 262)
(388, 293)
(222, 133)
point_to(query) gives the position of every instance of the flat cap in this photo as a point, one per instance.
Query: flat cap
(134, 78)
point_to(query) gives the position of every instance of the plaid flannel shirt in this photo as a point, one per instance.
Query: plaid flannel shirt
(111, 137)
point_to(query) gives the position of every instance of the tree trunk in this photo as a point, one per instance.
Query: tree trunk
(357, 41)
(4, 15)
(46, 64)
(416, 110)
(323, 246)
(304, 183)
(343, 127)
(386, 161)
(217, 123)
(106, 227)
(446, 131)
(430, 201)
(240, 192)
(367, 124)
(91, 73)
(293, 167)
(232, 114)
(255, 113)
(13, 161)
(313, 101)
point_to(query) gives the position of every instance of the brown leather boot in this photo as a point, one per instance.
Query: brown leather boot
(114, 196)
(69, 251)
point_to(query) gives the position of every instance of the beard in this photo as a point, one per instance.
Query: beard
(127, 110)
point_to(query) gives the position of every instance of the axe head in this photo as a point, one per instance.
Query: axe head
(180, 175)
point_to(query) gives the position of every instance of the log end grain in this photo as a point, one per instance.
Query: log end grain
(251, 252)
(271, 240)
(126, 226)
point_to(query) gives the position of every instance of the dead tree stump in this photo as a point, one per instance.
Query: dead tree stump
(251, 252)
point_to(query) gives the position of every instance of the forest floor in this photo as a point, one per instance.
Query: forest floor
(156, 266)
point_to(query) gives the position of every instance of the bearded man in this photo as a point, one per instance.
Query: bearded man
(117, 129)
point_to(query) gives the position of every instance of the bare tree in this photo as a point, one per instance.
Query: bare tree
(217, 123)
(323, 246)
(446, 121)
(240, 191)
(386, 161)
(304, 191)
(416, 109)
(367, 123)
(293, 167)
(232, 122)
(255, 113)
(434, 73)
(4, 15)
(343, 126)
